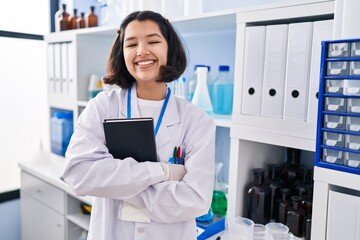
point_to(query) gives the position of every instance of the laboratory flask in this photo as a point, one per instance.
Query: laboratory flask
(201, 96)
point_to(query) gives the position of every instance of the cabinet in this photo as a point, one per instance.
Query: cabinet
(48, 206)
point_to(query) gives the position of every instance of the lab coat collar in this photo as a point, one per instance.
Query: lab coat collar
(171, 116)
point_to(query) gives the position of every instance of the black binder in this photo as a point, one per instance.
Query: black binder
(131, 137)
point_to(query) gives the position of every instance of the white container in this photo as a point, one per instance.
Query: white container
(193, 7)
(337, 68)
(172, 8)
(355, 49)
(351, 87)
(352, 159)
(201, 96)
(333, 139)
(152, 5)
(352, 141)
(355, 68)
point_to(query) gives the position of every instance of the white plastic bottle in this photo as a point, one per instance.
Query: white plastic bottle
(191, 83)
(201, 95)
(222, 91)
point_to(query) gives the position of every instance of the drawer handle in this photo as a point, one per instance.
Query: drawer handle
(38, 191)
(59, 225)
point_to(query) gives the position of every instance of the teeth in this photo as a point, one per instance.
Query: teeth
(145, 63)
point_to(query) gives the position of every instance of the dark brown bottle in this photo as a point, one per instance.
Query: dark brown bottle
(72, 20)
(299, 188)
(64, 22)
(80, 21)
(308, 227)
(274, 184)
(295, 217)
(283, 205)
(91, 18)
(258, 198)
(291, 168)
(59, 17)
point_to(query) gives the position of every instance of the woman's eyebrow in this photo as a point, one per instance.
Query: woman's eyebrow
(149, 35)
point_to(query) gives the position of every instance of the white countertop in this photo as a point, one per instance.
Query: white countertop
(49, 167)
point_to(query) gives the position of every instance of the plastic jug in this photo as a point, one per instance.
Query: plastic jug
(222, 91)
(61, 131)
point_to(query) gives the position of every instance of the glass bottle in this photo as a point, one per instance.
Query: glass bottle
(283, 205)
(91, 18)
(295, 217)
(258, 198)
(222, 91)
(64, 22)
(59, 16)
(290, 169)
(80, 21)
(72, 20)
(201, 96)
(275, 184)
(219, 201)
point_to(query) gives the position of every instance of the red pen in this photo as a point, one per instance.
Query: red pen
(179, 155)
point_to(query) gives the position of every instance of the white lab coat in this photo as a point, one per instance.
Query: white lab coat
(172, 206)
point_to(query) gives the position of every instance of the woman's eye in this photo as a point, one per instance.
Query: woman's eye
(131, 45)
(154, 42)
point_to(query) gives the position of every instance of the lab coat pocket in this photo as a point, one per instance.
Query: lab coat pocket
(130, 213)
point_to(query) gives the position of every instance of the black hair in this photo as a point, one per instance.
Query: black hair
(116, 70)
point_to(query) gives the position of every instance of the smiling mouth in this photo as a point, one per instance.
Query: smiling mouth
(145, 63)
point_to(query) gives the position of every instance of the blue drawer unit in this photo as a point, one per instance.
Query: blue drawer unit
(338, 126)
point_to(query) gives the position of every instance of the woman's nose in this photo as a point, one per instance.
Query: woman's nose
(142, 51)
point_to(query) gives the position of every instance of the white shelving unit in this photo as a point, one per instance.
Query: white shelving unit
(213, 39)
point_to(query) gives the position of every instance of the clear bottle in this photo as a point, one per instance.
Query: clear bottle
(219, 201)
(222, 91)
(91, 18)
(81, 23)
(72, 20)
(258, 198)
(59, 16)
(201, 96)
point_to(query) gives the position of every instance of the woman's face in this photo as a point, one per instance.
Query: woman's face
(145, 50)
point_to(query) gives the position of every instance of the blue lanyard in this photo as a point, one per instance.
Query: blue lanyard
(162, 109)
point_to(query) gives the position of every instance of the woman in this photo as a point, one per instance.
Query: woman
(147, 200)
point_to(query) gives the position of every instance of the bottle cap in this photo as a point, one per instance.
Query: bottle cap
(224, 68)
(63, 115)
(202, 65)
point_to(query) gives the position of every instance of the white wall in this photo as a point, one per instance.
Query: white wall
(23, 86)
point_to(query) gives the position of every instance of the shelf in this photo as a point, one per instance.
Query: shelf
(222, 120)
(80, 219)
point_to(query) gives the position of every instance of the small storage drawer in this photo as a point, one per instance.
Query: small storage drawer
(355, 49)
(334, 86)
(334, 122)
(355, 68)
(335, 104)
(333, 156)
(351, 87)
(333, 139)
(352, 159)
(353, 124)
(352, 141)
(337, 68)
(353, 105)
(44, 192)
(338, 50)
